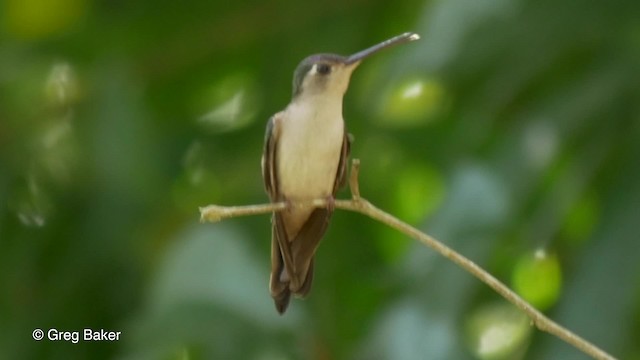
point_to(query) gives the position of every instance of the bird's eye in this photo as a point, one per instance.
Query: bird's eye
(323, 69)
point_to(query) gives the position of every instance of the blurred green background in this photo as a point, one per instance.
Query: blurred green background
(511, 132)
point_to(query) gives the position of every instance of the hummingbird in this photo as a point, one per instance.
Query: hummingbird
(306, 149)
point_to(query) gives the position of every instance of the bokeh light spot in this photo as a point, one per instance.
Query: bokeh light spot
(413, 91)
(35, 19)
(497, 331)
(30, 203)
(419, 191)
(61, 87)
(537, 277)
(412, 102)
(230, 104)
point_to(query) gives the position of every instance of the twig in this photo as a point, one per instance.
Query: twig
(214, 213)
(354, 186)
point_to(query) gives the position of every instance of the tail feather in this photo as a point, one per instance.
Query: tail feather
(281, 300)
(292, 262)
(306, 285)
(281, 291)
(279, 282)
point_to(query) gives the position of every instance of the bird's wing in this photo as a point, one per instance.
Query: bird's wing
(281, 258)
(341, 175)
(269, 172)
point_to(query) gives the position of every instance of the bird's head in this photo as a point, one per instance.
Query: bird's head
(329, 74)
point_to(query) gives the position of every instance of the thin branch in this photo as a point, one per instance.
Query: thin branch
(214, 213)
(354, 186)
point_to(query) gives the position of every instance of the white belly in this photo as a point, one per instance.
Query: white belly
(309, 153)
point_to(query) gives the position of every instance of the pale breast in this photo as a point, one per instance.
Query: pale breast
(309, 153)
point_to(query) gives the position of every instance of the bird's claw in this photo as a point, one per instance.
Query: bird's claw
(331, 203)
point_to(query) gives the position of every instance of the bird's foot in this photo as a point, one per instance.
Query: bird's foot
(331, 203)
(289, 205)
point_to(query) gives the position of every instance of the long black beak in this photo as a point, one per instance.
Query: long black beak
(400, 39)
